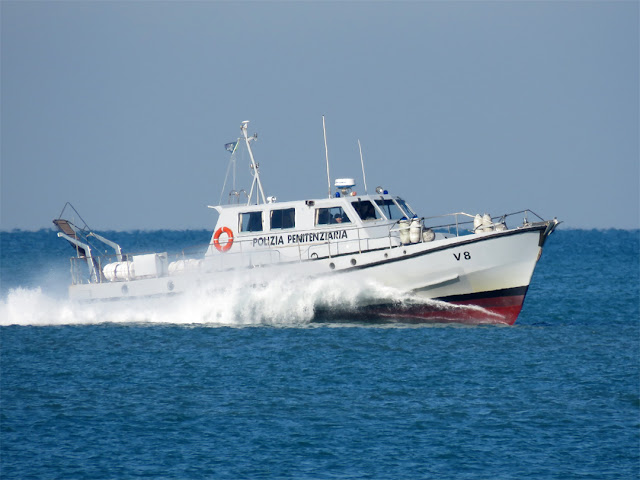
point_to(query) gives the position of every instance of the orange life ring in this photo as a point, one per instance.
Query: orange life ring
(216, 243)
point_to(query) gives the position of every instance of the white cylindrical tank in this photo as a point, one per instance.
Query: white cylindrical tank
(118, 271)
(477, 223)
(188, 265)
(415, 230)
(487, 224)
(404, 231)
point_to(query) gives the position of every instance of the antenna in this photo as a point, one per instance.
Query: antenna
(326, 153)
(254, 167)
(364, 177)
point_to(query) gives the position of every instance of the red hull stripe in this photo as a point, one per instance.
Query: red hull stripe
(498, 307)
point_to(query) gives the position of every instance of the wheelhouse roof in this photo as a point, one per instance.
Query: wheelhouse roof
(321, 202)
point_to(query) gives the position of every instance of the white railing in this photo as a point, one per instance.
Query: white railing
(245, 255)
(463, 223)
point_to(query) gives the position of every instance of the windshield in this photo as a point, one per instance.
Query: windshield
(406, 208)
(390, 209)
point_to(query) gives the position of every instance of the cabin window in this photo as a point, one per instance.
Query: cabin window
(366, 210)
(251, 222)
(390, 209)
(285, 218)
(331, 215)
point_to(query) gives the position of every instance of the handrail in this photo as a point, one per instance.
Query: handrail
(305, 251)
(500, 219)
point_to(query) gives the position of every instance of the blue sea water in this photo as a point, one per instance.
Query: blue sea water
(246, 387)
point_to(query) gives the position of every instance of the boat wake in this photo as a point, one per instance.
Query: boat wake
(280, 302)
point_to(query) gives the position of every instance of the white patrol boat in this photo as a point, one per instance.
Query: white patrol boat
(451, 268)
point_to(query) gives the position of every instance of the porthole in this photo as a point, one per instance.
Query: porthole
(353, 261)
(332, 265)
(125, 290)
(170, 285)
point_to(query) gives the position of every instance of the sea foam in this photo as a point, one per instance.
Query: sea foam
(279, 302)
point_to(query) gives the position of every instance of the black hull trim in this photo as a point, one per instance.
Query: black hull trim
(503, 292)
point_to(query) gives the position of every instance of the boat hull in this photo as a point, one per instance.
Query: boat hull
(480, 278)
(496, 307)
(473, 279)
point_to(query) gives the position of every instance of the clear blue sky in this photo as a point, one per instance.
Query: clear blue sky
(123, 108)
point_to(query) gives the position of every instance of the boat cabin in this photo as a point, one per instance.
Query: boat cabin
(310, 229)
